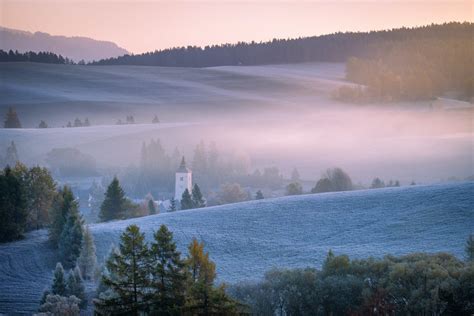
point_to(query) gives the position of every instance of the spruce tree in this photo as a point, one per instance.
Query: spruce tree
(172, 207)
(11, 119)
(42, 124)
(259, 195)
(75, 286)
(64, 203)
(59, 281)
(151, 207)
(186, 200)
(115, 204)
(77, 122)
(87, 261)
(128, 276)
(168, 274)
(11, 156)
(71, 240)
(198, 200)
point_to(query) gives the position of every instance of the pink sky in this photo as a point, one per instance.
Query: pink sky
(141, 26)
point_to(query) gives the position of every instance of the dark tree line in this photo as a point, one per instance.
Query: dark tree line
(40, 57)
(337, 47)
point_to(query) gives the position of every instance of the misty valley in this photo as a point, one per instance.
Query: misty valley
(326, 175)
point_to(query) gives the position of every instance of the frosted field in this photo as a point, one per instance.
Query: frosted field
(246, 239)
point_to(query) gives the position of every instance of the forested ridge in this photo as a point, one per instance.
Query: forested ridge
(337, 47)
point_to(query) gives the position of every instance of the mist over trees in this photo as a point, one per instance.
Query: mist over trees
(413, 69)
(11, 155)
(333, 180)
(71, 162)
(11, 119)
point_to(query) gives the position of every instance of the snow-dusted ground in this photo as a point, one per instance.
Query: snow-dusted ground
(246, 239)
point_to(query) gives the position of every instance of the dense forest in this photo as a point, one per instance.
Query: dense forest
(336, 47)
(40, 57)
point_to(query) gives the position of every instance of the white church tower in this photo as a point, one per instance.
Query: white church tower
(183, 181)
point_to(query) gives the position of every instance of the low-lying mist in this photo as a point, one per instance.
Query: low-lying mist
(403, 143)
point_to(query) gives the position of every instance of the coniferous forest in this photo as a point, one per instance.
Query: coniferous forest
(39, 57)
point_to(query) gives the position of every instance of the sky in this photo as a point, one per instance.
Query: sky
(141, 26)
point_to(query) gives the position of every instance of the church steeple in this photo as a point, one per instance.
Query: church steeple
(182, 166)
(183, 180)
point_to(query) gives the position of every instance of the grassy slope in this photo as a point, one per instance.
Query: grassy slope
(246, 239)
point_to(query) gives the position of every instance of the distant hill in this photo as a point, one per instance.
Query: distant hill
(75, 48)
(247, 239)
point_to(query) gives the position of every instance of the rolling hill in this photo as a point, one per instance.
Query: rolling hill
(104, 92)
(247, 239)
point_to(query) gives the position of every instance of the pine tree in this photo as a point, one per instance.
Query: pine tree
(59, 281)
(197, 198)
(70, 242)
(172, 205)
(128, 276)
(86, 122)
(11, 119)
(42, 124)
(87, 261)
(64, 203)
(168, 274)
(75, 286)
(77, 122)
(11, 157)
(151, 207)
(186, 200)
(155, 120)
(470, 249)
(259, 195)
(115, 204)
